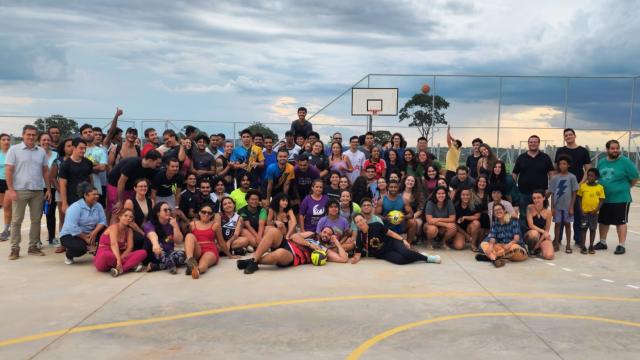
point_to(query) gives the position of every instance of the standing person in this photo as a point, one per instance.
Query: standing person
(289, 144)
(123, 175)
(74, 171)
(313, 207)
(500, 177)
(531, 171)
(375, 240)
(410, 163)
(115, 250)
(270, 157)
(453, 154)
(203, 164)
(54, 134)
(563, 188)
(472, 160)
(332, 190)
(503, 241)
(167, 183)
(216, 142)
(488, 158)
(580, 163)
(539, 218)
(394, 163)
(114, 134)
(617, 175)
(356, 158)
(368, 144)
(65, 149)
(5, 143)
(336, 137)
(171, 146)
(224, 167)
(318, 159)
(201, 245)
(591, 198)
(128, 149)
(379, 164)
(152, 141)
(248, 159)
(163, 233)
(398, 144)
(279, 175)
(27, 173)
(99, 159)
(430, 181)
(83, 223)
(301, 125)
(338, 161)
(304, 175)
(188, 195)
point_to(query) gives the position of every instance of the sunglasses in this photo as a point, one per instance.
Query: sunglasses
(205, 212)
(165, 210)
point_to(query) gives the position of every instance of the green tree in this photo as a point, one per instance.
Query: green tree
(424, 112)
(68, 127)
(258, 127)
(381, 136)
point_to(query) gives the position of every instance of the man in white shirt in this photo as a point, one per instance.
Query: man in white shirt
(356, 157)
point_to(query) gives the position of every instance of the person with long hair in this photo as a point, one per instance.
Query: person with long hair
(539, 219)
(499, 176)
(360, 189)
(65, 149)
(5, 143)
(348, 208)
(379, 191)
(254, 218)
(394, 163)
(422, 163)
(115, 250)
(410, 163)
(163, 233)
(333, 188)
(201, 244)
(344, 183)
(430, 181)
(318, 159)
(229, 228)
(141, 206)
(481, 191)
(44, 139)
(412, 194)
(487, 160)
(376, 240)
(467, 219)
(440, 216)
(503, 241)
(281, 216)
(398, 144)
(338, 161)
(376, 160)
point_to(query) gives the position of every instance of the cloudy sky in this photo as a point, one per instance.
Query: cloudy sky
(251, 60)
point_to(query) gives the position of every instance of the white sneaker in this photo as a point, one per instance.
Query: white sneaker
(68, 261)
(434, 259)
(115, 272)
(55, 242)
(140, 268)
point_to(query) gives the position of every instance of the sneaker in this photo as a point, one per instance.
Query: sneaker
(600, 246)
(482, 257)
(252, 267)
(68, 261)
(139, 268)
(5, 235)
(583, 250)
(39, 244)
(434, 259)
(15, 254)
(55, 242)
(191, 263)
(250, 249)
(35, 251)
(115, 272)
(239, 252)
(242, 263)
(173, 269)
(153, 267)
(499, 263)
(619, 250)
(592, 250)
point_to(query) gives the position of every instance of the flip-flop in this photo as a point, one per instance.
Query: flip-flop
(568, 251)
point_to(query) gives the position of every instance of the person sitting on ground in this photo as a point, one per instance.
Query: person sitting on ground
(115, 250)
(376, 240)
(393, 202)
(200, 245)
(163, 233)
(254, 218)
(440, 223)
(141, 206)
(503, 241)
(338, 224)
(467, 218)
(230, 228)
(281, 216)
(274, 249)
(83, 223)
(497, 192)
(313, 207)
(412, 194)
(539, 217)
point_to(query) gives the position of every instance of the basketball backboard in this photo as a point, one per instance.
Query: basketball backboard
(374, 101)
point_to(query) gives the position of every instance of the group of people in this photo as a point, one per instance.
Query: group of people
(187, 202)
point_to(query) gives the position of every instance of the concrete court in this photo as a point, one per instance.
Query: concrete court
(574, 307)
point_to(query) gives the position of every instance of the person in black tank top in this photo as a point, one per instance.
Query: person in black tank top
(140, 188)
(539, 218)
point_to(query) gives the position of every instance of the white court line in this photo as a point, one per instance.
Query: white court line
(634, 232)
(551, 264)
(633, 286)
(567, 269)
(538, 259)
(607, 280)
(586, 275)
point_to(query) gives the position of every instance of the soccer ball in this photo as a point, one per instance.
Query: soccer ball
(319, 257)
(395, 217)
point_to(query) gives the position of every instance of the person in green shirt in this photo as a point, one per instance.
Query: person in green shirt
(617, 175)
(254, 217)
(239, 195)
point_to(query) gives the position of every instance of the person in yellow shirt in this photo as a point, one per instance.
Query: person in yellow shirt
(453, 155)
(591, 197)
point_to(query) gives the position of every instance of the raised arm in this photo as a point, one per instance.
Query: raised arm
(112, 128)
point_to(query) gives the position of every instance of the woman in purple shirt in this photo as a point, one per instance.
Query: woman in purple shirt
(313, 207)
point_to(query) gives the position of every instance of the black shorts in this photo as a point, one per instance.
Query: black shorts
(3, 186)
(614, 213)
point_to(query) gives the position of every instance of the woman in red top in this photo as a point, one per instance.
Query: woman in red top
(380, 164)
(200, 245)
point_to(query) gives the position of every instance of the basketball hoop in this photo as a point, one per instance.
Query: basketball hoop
(374, 112)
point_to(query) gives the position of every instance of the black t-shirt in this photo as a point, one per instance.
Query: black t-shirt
(202, 160)
(579, 158)
(472, 164)
(299, 128)
(75, 173)
(166, 187)
(187, 201)
(468, 211)
(372, 243)
(321, 162)
(457, 184)
(252, 217)
(132, 169)
(532, 172)
(332, 193)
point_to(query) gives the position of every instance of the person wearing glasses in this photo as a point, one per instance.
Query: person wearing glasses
(201, 246)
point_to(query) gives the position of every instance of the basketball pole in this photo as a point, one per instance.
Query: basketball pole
(370, 123)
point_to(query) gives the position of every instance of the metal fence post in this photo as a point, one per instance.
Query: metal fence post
(499, 114)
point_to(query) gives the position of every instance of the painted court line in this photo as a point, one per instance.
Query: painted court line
(567, 269)
(551, 264)
(633, 286)
(607, 280)
(586, 275)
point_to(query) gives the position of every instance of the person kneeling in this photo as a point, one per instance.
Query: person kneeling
(375, 240)
(503, 241)
(115, 251)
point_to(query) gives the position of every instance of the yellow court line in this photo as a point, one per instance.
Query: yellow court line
(153, 320)
(357, 353)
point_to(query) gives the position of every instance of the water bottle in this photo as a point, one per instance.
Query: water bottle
(45, 208)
